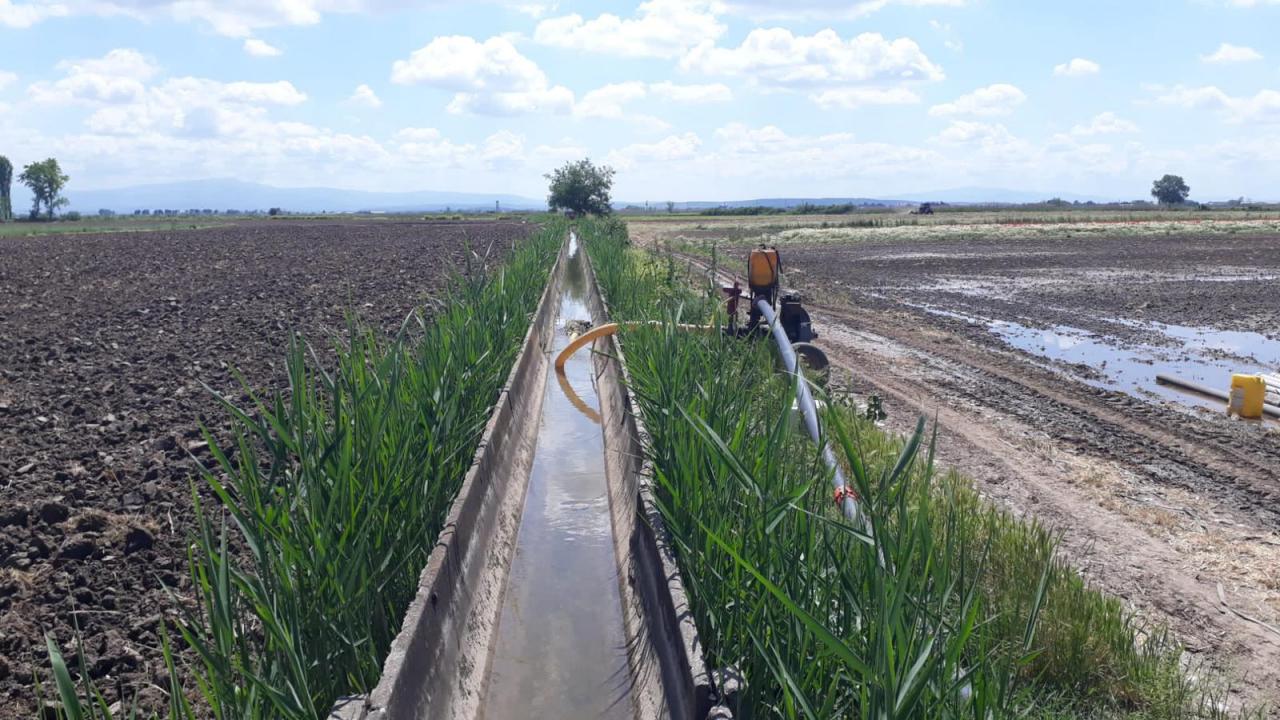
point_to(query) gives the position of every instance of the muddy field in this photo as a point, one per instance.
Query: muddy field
(106, 342)
(1037, 354)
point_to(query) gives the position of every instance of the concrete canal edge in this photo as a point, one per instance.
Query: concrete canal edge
(666, 656)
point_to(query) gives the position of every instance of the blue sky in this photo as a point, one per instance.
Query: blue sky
(688, 99)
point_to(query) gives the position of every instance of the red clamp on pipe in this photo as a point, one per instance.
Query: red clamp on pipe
(844, 491)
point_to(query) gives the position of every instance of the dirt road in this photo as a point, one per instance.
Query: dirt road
(1037, 358)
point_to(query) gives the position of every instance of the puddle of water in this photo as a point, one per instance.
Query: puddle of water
(560, 647)
(1193, 353)
(1253, 346)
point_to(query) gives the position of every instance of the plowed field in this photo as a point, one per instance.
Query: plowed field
(106, 345)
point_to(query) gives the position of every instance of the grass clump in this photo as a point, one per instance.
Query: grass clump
(940, 606)
(329, 501)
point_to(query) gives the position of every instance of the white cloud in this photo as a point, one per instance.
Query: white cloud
(669, 149)
(7, 78)
(121, 62)
(823, 63)
(24, 15)
(117, 77)
(124, 100)
(489, 78)
(364, 96)
(607, 101)
(962, 132)
(1228, 53)
(1264, 107)
(533, 10)
(234, 18)
(428, 146)
(1077, 67)
(825, 9)
(852, 98)
(261, 48)
(768, 151)
(1106, 123)
(660, 28)
(998, 99)
(710, 93)
(502, 150)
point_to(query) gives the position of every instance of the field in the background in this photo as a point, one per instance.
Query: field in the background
(108, 342)
(901, 226)
(173, 223)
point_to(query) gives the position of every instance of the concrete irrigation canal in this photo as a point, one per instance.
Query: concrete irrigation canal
(560, 649)
(551, 592)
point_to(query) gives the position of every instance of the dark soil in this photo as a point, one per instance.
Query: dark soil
(1223, 281)
(106, 342)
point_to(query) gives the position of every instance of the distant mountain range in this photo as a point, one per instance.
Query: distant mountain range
(228, 194)
(224, 195)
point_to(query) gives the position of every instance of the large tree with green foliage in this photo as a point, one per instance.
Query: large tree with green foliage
(6, 184)
(46, 181)
(581, 187)
(1170, 190)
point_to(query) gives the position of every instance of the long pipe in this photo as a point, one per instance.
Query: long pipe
(809, 409)
(1176, 381)
(803, 397)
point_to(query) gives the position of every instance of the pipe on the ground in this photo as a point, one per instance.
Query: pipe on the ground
(809, 409)
(1174, 380)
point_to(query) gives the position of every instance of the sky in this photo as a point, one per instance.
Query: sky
(686, 99)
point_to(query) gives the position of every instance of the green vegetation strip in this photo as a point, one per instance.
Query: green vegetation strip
(332, 497)
(942, 607)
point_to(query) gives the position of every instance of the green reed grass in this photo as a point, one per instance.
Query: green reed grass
(329, 500)
(941, 606)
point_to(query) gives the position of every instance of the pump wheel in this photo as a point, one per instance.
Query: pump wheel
(813, 362)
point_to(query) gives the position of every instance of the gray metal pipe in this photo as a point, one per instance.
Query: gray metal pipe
(808, 408)
(1176, 381)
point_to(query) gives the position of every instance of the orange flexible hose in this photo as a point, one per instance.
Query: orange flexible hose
(606, 330)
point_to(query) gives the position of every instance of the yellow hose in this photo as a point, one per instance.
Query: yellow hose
(589, 336)
(606, 330)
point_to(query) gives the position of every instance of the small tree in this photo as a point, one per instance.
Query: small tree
(671, 207)
(6, 185)
(581, 187)
(1170, 190)
(46, 181)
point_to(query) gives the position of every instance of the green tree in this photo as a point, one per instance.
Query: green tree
(1170, 190)
(46, 181)
(6, 184)
(581, 187)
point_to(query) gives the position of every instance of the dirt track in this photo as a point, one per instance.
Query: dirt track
(1159, 499)
(106, 341)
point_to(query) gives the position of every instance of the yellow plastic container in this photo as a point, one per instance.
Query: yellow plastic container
(762, 268)
(1248, 395)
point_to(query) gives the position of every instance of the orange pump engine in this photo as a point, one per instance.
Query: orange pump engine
(763, 268)
(764, 280)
